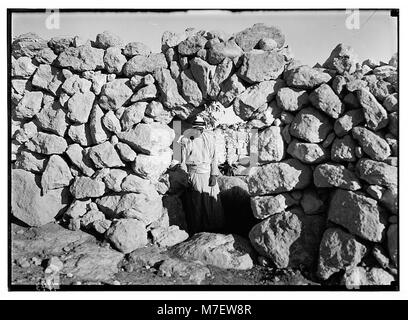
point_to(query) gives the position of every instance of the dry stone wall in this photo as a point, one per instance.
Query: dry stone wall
(91, 143)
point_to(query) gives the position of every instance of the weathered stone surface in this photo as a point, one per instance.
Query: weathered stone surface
(114, 60)
(223, 251)
(29, 205)
(22, 67)
(273, 237)
(359, 214)
(376, 172)
(152, 166)
(30, 162)
(80, 133)
(391, 103)
(343, 149)
(310, 125)
(372, 144)
(145, 93)
(47, 144)
(256, 97)
(111, 122)
(29, 105)
(85, 187)
(292, 99)
(151, 138)
(305, 77)
(278, 177)
(133, 115)
(230, 89)
(53, 118)
(27, 45)
(170, 96)
(359, 276)
(104, 155)
(79, 106)
(247, 39)
(392, 241)
(113, 179)
(107, 39)
(342, 59)
(202, 72)
(348, 121)
(194, 271)
(271, 145)
(115, 94)
(222, 73)
(168, 237)
(78, 157)
(338, 251)
(307, 152)
(60, 44)
(190, 89)
(265, 206)
(335, 175)
(260, 66)
(125, 152)
(80, 59)
(136, 49)
(219, 51)
(127, 235)
(393, 123)
(191, 45)
(324, 99)
(97, 131)
(374, 113)
(142, 65)
(56, 174)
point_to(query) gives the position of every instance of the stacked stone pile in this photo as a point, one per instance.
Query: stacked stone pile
(91, 141)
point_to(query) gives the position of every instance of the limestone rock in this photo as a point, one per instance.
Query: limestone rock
(45, 143)
(223, 251)
(342, 59)
(83, 58)
(376, 172)
(114, 178)
(30, 162)
(97, 130)
(335, 175)
(56, 175)
(256, 97)
(29, 205)
(338, 251)
(148, 138)
(324, 99)
(168, 237)
(307, 152)
(273, 237)
(142, 65)
(310, 125)
(230, 89)
(152, 166)
(136, 49)
(22, 67)
(190, 89)
(79, 106)
(104, 155)
(111, 122)
(80, 133)
(132, 115)
(127, 235)
(202, 72)
(343, 149)
(359, 214)
(60, 44)
(374, 113)
(292, 99)
(27, 45)
(107, 39)
(53, 118)
(271, 145)
(359, 276)
(85, 187)
(265, 206)
(261, 66)
(125, 152)
(305, 77)
(114, 60)
(77, 156)
(194, 271)
(115, 94)
(191, 45)
(348, 121)
(372, 144)
(219, 51)
(278, 177)
(29, 105)
(247, 39)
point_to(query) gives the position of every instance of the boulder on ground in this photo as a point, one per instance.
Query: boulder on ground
(127, 235)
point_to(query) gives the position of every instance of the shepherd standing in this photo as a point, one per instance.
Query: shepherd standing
(201, 200)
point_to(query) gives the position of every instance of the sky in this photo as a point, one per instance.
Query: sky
(311, 35)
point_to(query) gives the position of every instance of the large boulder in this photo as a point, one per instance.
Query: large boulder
(85, 187)
(292, 99)
(46, 143)
(223, 251)
(359, 276)
(127, 235)
(342, 59)
(305, 77)
(258, 66)
(29, 105)
(152, 166)
(107, 39)
(310, 125)
(271, 145)
(79, 106)
(142, 65)
(150, 139)
(279, 177)
(104, 155)
(372, 144)
(219, 51)
(335, 175)
(53, 118)
(359, 214)
(29, 205)
(48, 78)
(307, 152)
(56, 175)
(115, 94)
(324, 99)
(376, 172)
(27, 45)
(338, 251)
(265, 206)
(374, 113)
(248, 38)
(83, 58)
